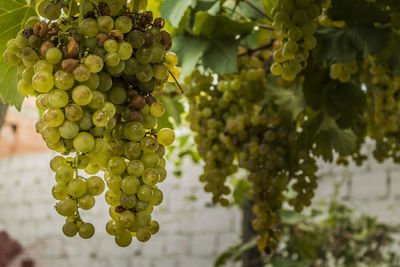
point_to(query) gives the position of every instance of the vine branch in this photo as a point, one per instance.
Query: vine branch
(176, 81)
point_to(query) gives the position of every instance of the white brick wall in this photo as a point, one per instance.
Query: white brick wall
(192, 233)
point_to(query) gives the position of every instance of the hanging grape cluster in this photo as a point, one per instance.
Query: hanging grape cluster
(294, 21)
(93, 78)
(235, 129)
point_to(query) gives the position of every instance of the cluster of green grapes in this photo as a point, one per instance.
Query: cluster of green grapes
(295, 22)
(234, 129)
(93, 78)
(343, 71)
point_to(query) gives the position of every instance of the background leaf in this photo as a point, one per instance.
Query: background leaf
(173, 10)
(13, 15)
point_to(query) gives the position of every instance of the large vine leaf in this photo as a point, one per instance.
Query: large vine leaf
(269, 5)
(357, 12)
(189, 49)
(173, 10)
(344, 45)
(13, 15)
(221, 55)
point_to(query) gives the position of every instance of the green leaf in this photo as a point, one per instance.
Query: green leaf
(357, 12)
(189, 49)
(221, 55)
(344, 45)
(220, 26)
(173, 10)
(315, 80)
(173, 109)
(290, 101)
(13, 15)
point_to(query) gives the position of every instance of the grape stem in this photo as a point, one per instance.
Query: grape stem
(81, 9)
(257, 9)
(70, 8)
(266, 27)
(136, 5)
(177, 83)
(76, 163)
(252, 51)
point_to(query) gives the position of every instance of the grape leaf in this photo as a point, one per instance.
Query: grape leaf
(173, 10)
(315, 80)
(357, 12)
(13, 15)
(344, 45)
(221, 55)
(173, 110)
(189, 49)
(220, 26)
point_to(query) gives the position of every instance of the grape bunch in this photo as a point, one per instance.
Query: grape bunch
(236, 129)
(343, 71)
(295, 22)
(93, 77)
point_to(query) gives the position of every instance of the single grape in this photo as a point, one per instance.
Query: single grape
(81, 73)
(42, 81)
(86, 230)
(135, 168)
(83, 142)
(86, 202)
(89, 27)
(53, 55)
(68, 129)
(66, 207)
(77, 188)
(145, 193)
(116, 165)
(70, 229)
(64, 80)
(95, 185)
(94, 63)
(123, 238)
(106, 23)
(59, 191)
(82, 95)
(73, 112)
(54, 117)
(143, 234)
(165, 136)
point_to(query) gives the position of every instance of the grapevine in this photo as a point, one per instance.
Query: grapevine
(93, 78)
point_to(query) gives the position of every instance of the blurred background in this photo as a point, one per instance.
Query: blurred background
(193, 232)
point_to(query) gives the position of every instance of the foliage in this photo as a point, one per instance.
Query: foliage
(332, 236)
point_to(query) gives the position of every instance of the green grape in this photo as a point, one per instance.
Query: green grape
(110, 227)
(58, 98)
(117, 70)
(83, 142)
(63, 79)
(42, 81)
(51, 135)
(105, 82)
(29, 57)
(43, 65)
(86, 230)
(77, 188)
(157, 197)
(135, 168)
(157, 53)
(157, 109)
(95, 185)
(117, 95)
(130, 185)
(112, 59)
(165, 136)
(143, 206)
(81, 73)
(68, 129)
(151, 176)
(21, 42)
(94, 63)
(31, 22)
(160, 71)
(85, 122)
(128, 201)
(126, 219)
(145, 193)
(149, 144)
(124, 50)
(10, 58)
(136, 39)
(123, 24)
(51, 11)
(86, 202)
(111, 46)
(115, 146)
(73, 112)
(154, 227)
(92, 169)
(114, 182)
(106, 23)
(143, 234)
(82, 95)
(132, 150)
(100, 118)
(89, 27)
(97, 100)
(116, 165)
(53, 55)
(144, 73)
(93, 82)
(66, 207)
(70, 229)
(144, 55)
(113, 197)
(91, 43)
(25, 88)
(123, 238)
(54, 117)
(134, 131)
(56, 162)
(171, 59)
(59, 191)
(131, 66)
